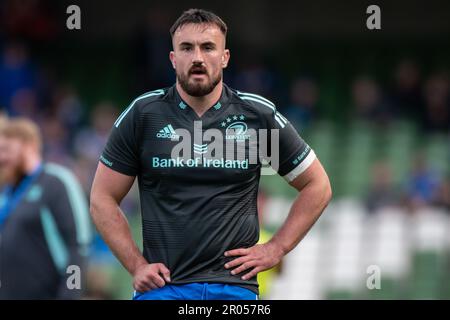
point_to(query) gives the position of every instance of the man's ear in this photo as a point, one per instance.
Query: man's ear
(225, 58)
(172, 59)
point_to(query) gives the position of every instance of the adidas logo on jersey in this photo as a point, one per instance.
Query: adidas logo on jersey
(167, 133)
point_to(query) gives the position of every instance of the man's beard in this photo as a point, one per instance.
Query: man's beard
(197, 89)
(11, 174)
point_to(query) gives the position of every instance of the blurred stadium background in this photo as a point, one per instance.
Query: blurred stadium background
(375, 106)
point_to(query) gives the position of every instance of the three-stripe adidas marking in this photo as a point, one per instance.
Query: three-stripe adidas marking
(282, 121)
(167, 132)
(168, 129)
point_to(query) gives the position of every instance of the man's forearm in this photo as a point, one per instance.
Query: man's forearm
(305, 211)
(113, 227)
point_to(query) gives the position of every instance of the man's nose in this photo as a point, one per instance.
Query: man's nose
(198, 56)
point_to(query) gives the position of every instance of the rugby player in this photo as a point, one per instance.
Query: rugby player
(199, 216)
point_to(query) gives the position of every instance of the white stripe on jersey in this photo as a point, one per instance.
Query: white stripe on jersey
(260, 101)
(283, 118)
(280, 122)
(152, 93)
(301, 167)
(253, 97)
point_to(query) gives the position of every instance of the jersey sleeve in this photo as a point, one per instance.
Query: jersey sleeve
(121, 150)
(67, 226)
(294, 154)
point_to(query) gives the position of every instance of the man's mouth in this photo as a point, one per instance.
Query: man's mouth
(197, 71)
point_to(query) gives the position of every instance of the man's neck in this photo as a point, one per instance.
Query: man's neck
(201, 104)
(32, 161)
(30, 164)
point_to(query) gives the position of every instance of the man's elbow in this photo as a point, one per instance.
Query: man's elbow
(327, 191)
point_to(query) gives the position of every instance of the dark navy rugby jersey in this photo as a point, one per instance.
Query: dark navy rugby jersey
(198, 177)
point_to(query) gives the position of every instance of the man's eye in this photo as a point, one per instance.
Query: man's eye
(186, 49)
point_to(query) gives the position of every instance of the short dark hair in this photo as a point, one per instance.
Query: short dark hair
(199, 16)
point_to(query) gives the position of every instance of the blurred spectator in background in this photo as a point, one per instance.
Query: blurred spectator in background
(56, 137)
(66, 105)
(423, 184)
(382, 192)
(90, 140)
(368, 103)
(152, 43)
(16, 74)
(437, 103)
(82, 168)
(25, 104)
(302, 110)
(44, 220)
(405, 95)
(254, 76)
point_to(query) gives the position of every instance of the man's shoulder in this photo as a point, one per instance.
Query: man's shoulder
(152, 98)
(144, 102)
(256, 102)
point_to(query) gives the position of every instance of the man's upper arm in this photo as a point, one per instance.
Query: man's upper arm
(119, 161)
(121, 152)
(295, 156)
(299, 164)
(110, 183)
(314, 172)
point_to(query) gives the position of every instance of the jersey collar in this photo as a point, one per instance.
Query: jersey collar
(212, 112)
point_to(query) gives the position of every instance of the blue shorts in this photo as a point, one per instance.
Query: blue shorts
(197, 291)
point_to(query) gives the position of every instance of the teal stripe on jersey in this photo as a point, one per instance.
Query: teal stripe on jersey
(57, 247)
(124, 113)
(77, 200)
